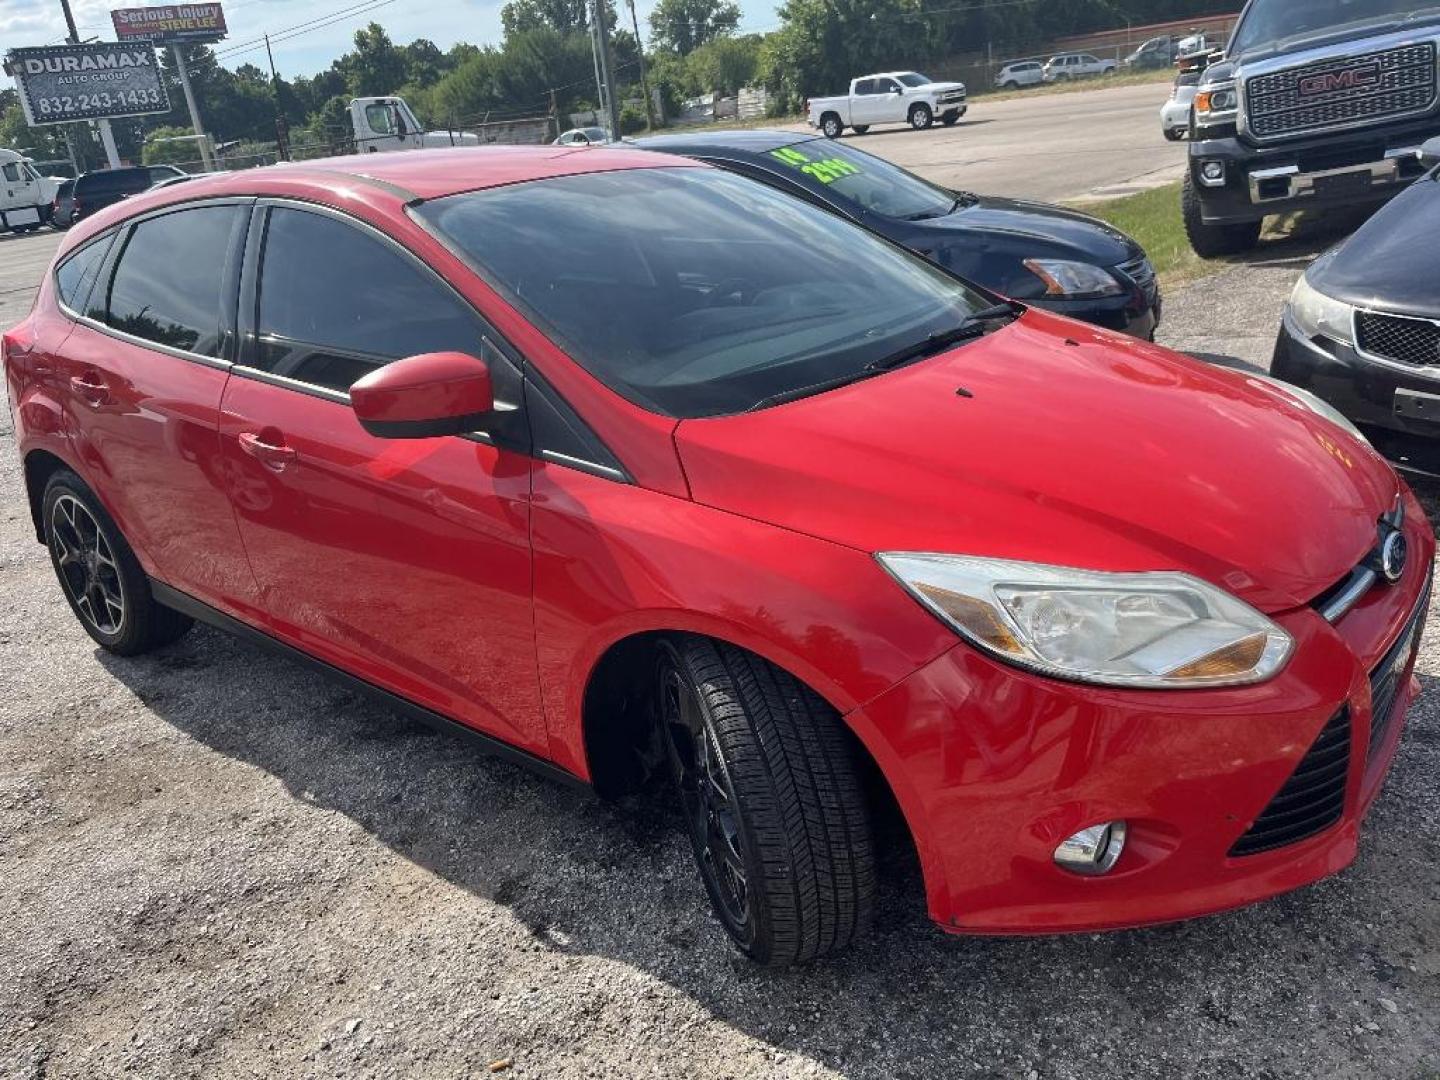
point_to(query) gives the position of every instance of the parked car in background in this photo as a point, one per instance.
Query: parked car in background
(62, 208)
(1158, 52)
(94, 191)
(1175, 113)
(1314, 104)
(1362, 329)
(1020, 73)
(25, 196)
(895, 97)
(688, 480)
(586, 136)
(1058, 259)
(1076, 66)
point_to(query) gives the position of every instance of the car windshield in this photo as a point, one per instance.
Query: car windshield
(695, 292)
(868, 182)
(910, 78)
(1268, 23)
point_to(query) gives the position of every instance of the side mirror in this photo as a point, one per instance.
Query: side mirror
(1430, 153)
(423, 397)
(896, 90)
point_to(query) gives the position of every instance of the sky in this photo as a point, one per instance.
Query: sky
(40, 22)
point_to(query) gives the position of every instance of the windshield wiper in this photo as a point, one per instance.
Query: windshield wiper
(973, 326)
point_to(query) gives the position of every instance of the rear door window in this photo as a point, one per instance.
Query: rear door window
(76, 276)
(865, 87)
(336, 303)
(169, 283)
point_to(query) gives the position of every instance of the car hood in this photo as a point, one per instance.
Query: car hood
(1055, 442)
(1381, 265)
(1040, 227)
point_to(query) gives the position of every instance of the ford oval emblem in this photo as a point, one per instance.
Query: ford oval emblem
(1392, 556)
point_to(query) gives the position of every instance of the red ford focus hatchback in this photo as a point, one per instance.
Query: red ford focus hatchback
(631, 467)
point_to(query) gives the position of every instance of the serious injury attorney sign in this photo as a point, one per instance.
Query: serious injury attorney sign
(170, 24)
(63, 83)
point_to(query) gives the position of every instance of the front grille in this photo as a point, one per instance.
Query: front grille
(1400, 338)
(952, 97)
(1142, 273)
(1385, 681)
(1338, 93)
(1312, 800)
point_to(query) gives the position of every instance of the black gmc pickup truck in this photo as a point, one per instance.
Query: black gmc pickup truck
(1313, 104)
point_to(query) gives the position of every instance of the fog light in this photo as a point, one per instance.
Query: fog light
(1093, 850)
(1212, 174)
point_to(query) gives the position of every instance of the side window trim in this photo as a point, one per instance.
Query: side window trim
(118, 240)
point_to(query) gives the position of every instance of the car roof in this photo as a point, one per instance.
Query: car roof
(757, 141)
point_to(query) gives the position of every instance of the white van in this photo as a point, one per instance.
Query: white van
(25, 196)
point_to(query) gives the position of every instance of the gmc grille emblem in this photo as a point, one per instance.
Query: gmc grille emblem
(1350, 79)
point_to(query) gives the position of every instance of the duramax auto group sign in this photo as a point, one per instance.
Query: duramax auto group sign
(62, 83)
(171, 24)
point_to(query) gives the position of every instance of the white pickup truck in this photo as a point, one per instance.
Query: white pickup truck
(892, 97)
(387, 123)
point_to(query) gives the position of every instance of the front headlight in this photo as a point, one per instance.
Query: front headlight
(1318, 315)
(1315, 404)
(1074, 280)
(1163, 630)
(1217, 104)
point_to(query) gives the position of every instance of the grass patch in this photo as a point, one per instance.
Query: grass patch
(1153, 218)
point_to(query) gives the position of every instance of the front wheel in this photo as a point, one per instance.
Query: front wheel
(1010, 84)
(102, 580)
(1174, 134)
(950, 118)
(831, 126)
(921, 117)
(769, 780)
(1211, 241)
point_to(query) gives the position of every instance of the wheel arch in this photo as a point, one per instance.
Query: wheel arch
(40, 466)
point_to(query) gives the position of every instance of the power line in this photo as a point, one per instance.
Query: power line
(300, 29)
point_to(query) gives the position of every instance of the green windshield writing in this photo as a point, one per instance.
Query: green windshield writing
(826, 170)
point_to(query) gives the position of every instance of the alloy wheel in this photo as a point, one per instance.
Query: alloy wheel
(87, 566)
(707, 798)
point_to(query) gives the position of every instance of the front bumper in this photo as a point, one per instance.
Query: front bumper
(1317, 173)
(1366, 393)
(993, 767)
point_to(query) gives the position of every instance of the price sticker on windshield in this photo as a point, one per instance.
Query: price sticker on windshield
(826, 170)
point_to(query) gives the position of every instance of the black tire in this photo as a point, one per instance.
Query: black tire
(1214, 241)
(783, 808)
(860, 129)
(1174, 134)
(949, 119)
(1010, 84)
(111, 577)
(920, 116)
(832, 127)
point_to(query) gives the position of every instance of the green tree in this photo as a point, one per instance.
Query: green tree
(171, 146)
(375, 67)
(725, 64)
(823, 44)
(685, 25)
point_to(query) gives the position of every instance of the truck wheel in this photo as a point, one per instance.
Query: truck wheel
(831, 126)
(860, 129)
(949, 118)
(1174, 134)
(770, 784)
(921, 117)
(99, 574)
(1214, 241)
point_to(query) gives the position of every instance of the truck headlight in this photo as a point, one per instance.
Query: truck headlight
(1074, 279)
(1163, 630)
(1318, 315)
(1217, 104)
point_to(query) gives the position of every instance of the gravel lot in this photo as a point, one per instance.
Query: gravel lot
(216, 864)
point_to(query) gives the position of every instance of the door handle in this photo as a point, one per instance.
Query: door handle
(90, 388)
(271, 455)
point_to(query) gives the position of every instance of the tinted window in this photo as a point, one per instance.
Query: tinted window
(12, 173)
(114, 181)
(887, 86)
(337, 302)
(1267, 21)
(912, 79)
(696, 292)
(379, 119)
(866, 182)
(77, 274)
(168, 285)
(865, 86)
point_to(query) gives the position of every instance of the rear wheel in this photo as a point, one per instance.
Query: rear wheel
(860, 129)
(770, 784)
(921, 117)
(831, 126)
(1212, 241)
(1010, 84)
(99, 574)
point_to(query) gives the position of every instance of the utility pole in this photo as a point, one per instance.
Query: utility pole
(282, 128)
(184, 69)
(107, 136)
(607, 73)
(644, 86)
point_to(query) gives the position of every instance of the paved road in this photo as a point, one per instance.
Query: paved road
(1050, 147)
(22, 263)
